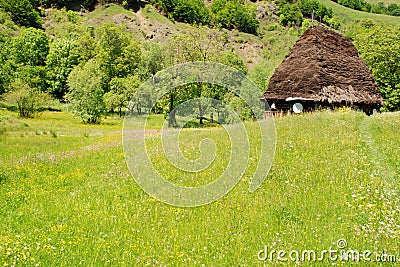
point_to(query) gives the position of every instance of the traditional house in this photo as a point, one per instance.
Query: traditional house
(322, 70)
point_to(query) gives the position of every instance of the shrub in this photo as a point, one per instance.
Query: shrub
(28, 100)
(192, 12)
(290, 14)
(235, 14)
(22, 12)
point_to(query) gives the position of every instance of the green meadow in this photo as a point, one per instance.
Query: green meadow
(67, 197)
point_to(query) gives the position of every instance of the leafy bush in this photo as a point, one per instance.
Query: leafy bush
(22, 12)
(31, 47)
(191, 11)
(290, 14)
(7, 65)
(379, 46)
(235, 14)
(28, 100)
(293, 12)
(188, 11)
(393, 10)
(361, 5)
(63, 56)
(308, 7)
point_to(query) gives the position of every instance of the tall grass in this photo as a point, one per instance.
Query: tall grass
(78, 205)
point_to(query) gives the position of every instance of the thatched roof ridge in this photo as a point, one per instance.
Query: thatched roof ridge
(324, 65)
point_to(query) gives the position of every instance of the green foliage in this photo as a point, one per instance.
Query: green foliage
(153, 59)
(261, 75)
(191, 11)
(229, 14)
(188, 11)
(86, 92)
(201, 45)
(129, 60)
(379, 46)
(86, 44)
(111, 38)
(361, 5)
(393, 9)
(238, 105)
(235, 14)
(23, 12)
(7, 65)
(310, 7)
(293, 12)
(231, 59)
(121, 92)
(87, 4)
(290, 14)
(381, 8)
(63, 56)
(119, 54)
(28, 100)
(31, 47)
(28, 58)
(35, 76)
(334, 23)
(167, 6)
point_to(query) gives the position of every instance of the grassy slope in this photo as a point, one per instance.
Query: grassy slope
(348, 14)
(68, 208)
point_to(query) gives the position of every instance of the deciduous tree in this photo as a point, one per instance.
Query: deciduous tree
(86, 92)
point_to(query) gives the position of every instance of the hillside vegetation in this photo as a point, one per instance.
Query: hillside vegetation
(126, 44)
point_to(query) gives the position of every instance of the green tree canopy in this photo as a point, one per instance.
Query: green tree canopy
(63, 56)
(31, 47)
(23, 12)
(119, 54)
(191, 11)
(7, 65)
(122, 90)
(379, 46)
(86, 92)
(290, 14)
(235, 14)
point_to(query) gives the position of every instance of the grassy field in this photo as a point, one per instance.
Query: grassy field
(348, 14)
(68, 199)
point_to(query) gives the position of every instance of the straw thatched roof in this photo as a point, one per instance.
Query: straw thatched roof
(324, 66)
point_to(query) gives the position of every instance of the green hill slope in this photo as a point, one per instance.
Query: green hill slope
(348, 14)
